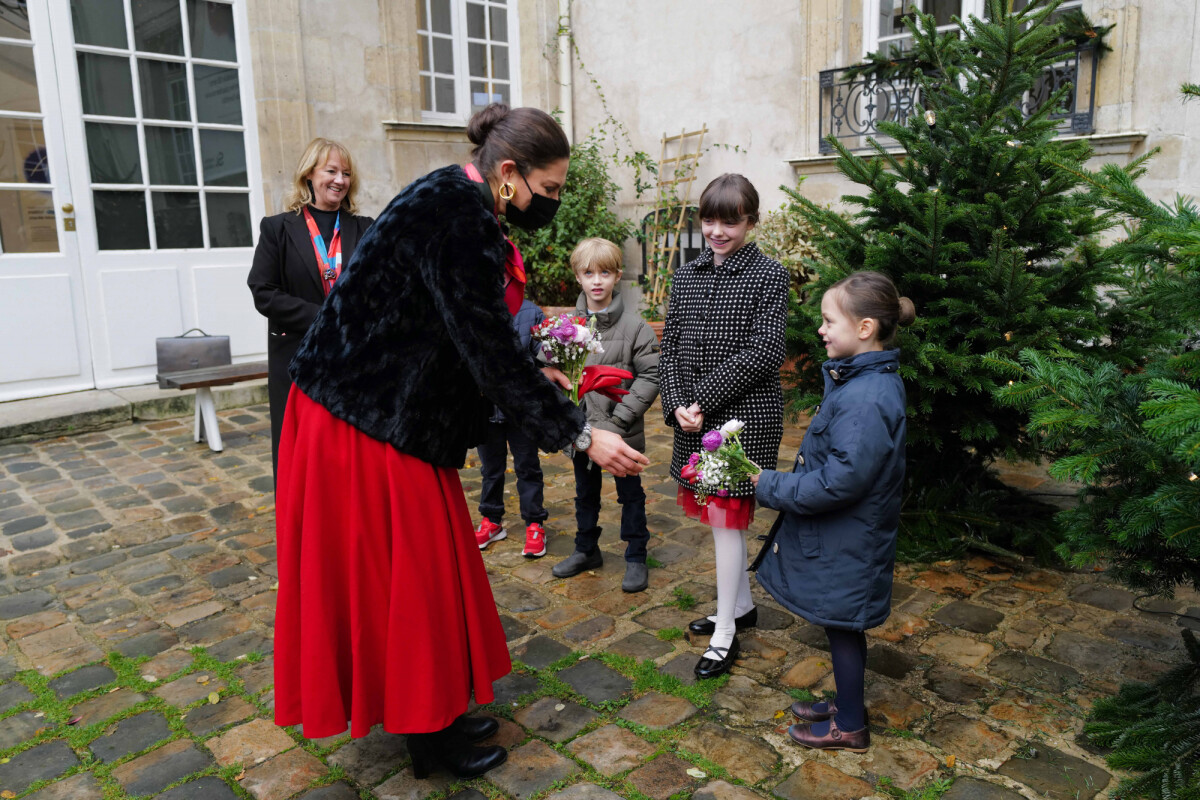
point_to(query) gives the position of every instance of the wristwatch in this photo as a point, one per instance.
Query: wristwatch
(584, 440)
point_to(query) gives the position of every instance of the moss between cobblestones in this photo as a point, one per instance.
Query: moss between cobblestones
(128, 676)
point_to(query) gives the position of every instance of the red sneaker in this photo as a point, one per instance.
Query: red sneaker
(489, 532)
(535, 541)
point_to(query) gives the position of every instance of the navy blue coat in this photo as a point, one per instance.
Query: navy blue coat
(832, 559)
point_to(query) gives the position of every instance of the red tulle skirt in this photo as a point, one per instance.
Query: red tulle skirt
(385, 614)
(719, 512)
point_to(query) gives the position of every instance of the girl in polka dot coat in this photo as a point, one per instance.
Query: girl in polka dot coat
(723, 345)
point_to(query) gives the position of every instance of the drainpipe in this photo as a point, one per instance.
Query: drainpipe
(565, 60)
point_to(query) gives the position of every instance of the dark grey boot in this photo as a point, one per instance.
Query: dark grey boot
(637, 577)
(576, 563)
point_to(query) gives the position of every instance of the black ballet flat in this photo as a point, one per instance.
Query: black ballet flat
(705, 626)
(712, 667)
(474, 729)
(451, 752)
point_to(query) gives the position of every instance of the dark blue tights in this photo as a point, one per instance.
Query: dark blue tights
(848, 651)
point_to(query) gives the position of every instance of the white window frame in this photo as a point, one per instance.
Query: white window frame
(872, 41)
(193, 125)
(462, 77)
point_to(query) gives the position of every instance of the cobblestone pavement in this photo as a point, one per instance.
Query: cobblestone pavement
(136, 600)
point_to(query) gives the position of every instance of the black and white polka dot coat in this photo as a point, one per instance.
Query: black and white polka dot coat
(723, 345)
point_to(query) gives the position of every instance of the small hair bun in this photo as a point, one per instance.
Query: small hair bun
(484, 120)
(908, 312)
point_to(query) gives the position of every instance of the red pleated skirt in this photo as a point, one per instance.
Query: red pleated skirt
(384, 614)
(720, 512)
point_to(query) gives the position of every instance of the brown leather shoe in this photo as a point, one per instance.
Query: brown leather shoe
(804, 711)
(850, 741)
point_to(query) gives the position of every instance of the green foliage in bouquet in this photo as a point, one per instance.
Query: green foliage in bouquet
(587, 210)
(975, 222)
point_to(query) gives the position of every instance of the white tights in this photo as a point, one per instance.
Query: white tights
(733, 584)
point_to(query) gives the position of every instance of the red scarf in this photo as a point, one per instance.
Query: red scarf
(514, 265)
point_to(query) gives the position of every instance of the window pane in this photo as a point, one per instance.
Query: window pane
(212, 30)
(27, 223)
(426, 93)
(106, 85)
(157, 27)
(224, 156)
(422, 19)
(444, 94)
(18, 81)
(164, 90)
(100, 22)
(217, 96)
(113, 153)
(443, 56)
(501, 93)
(177, 219)
(23, 151)
(423, 47)
(479, 95)
(171, 156)
(228, 220)
(943, 10)
(477, 60)
(476, 21)
(892, 14)
(500, 62)
(441, 15)
(121, 220)
(499, 24)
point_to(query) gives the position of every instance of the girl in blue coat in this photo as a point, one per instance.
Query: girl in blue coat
(831, 560)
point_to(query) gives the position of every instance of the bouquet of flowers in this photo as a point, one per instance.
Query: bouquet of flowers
(721, 465)
(566, 342)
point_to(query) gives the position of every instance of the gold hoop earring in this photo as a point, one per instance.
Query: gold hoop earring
(512, 191)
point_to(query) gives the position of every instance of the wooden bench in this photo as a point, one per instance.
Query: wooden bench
(202, 380)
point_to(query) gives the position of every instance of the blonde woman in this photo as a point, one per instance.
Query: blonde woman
(300, 256)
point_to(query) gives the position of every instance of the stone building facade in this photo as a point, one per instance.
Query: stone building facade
(142, 140)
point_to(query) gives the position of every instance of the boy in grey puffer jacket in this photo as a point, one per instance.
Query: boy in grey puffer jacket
(628, 343)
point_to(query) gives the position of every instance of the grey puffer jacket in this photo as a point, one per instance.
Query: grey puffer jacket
(628, 343)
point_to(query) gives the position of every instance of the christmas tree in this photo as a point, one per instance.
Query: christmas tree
(1130, 434)
(972, 218)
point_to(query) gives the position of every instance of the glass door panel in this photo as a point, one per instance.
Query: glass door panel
(43, 327)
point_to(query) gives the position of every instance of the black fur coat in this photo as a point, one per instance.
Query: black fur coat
(415, 342)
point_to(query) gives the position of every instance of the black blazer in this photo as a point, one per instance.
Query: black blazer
(286, 285)
(415, 343)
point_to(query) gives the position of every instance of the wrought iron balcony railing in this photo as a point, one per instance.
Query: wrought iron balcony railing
(852, 106)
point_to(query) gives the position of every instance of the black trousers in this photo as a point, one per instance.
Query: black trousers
(631, 496)
(493, 460)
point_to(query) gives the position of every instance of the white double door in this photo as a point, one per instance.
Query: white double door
(129, 187)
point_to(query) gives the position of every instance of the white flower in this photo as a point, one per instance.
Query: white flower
(733, 426)
(582, 334)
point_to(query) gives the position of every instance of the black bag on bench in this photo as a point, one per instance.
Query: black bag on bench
(178, 353)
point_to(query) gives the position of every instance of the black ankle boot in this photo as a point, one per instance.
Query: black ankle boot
(474, 729)
(453, 753)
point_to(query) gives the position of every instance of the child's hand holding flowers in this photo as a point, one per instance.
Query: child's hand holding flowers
(721, 465)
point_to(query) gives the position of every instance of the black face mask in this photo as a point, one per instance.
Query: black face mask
(539, 214)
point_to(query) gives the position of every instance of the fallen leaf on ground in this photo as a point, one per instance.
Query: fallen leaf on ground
(213, 698)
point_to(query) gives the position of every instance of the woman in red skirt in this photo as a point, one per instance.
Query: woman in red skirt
(385, 614)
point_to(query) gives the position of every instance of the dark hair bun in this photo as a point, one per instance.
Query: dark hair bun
(908, 312)
(484, 120)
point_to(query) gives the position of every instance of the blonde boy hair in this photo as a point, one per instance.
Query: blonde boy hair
(598, 254)
(315, 155)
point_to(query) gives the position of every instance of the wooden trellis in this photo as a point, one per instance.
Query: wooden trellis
(676, 173)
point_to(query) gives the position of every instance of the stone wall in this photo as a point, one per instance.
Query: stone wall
(348, 70)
